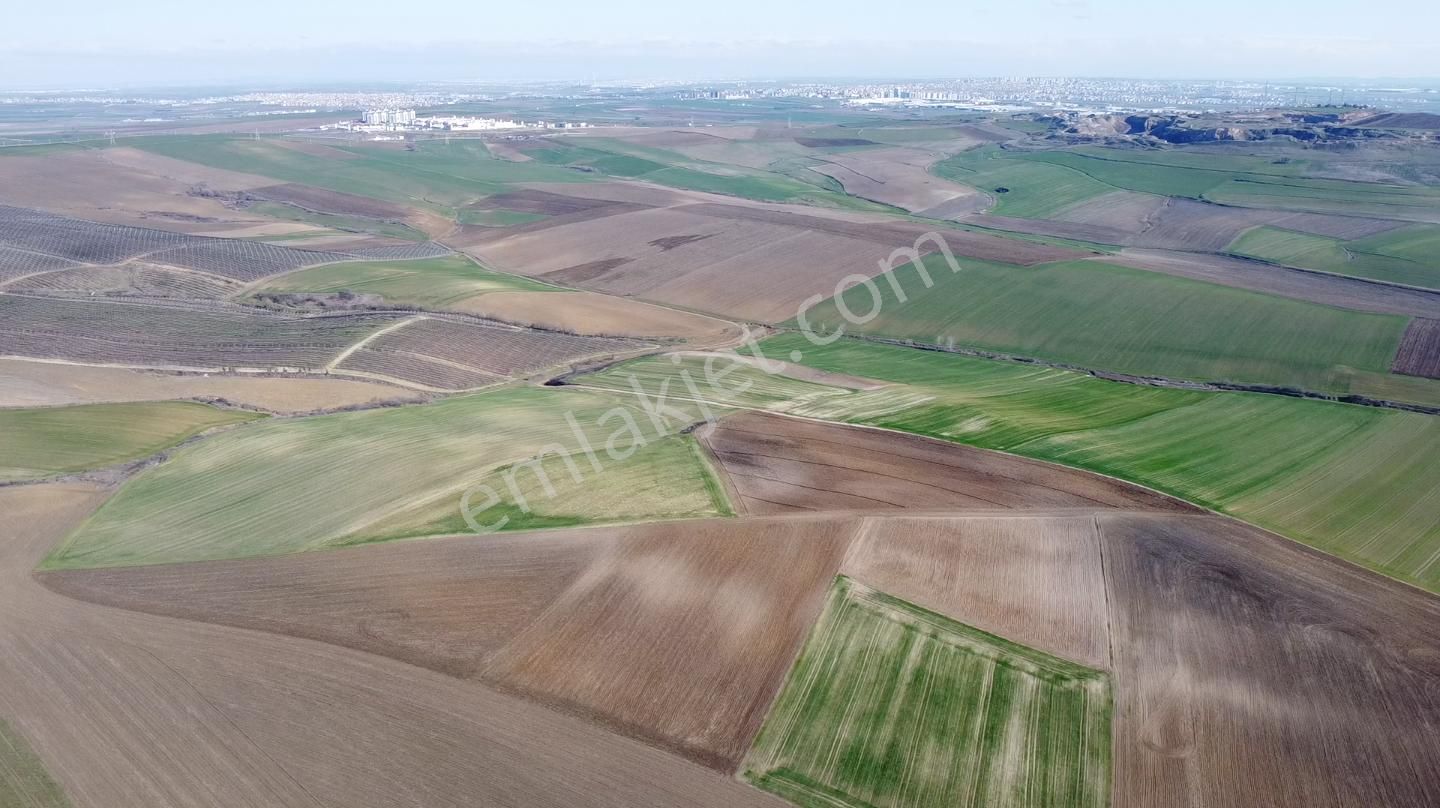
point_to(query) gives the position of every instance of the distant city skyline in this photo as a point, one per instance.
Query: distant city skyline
(92, 43)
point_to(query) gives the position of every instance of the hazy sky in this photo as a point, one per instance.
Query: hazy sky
(104, 43)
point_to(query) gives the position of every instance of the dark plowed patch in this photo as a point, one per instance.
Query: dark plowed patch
(584, 273)
(778, 465)
(671, 242)
(323, 201)
(833, 142)
(543, 202)
(1419, 353)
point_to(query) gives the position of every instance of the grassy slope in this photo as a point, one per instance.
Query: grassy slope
(1410, 255)
(359, 224)
(1359, 482)
(300, 484)
(434, 283)
(59, 440)
(1114, 318)
(892, 705)
(1034, 190)
(24, 783)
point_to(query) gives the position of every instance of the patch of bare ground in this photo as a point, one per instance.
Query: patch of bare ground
(181, 171)
(93, 185)
(740, 261)
(596, 315)
(678, 634)
(1419, 353)
(1184, 224)
(506, 151)
(682, 633)
(1250, 670)
(326, 201)
(542, 202)
(778, 464)
(895, 176)
(454, 355)
(1315, 287)
(1122, 211)
(133, 710)
(25, 383)
(1036, 580)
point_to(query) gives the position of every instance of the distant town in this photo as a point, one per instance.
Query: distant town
(407, 120)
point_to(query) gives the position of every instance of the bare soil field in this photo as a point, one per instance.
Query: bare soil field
(130, 710)
(42, 384)
(896, 176)
(454, 355)
(446, 604)
(1124, 211)
(682, 633)
(1419, 353)
(183, 171)
(326, 201)
(1036, 580)
(1250, 670)
(167, 335)
(779, 465)
(595, 314)
(1184, 224)
(678, 634)
(1330, 290)
(107, 186)
(749, 262)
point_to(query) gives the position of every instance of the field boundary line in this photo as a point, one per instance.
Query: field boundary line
(374, 335)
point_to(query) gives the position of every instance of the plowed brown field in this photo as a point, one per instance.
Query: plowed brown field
(1419, 353)
(778, 464)
(130, 710)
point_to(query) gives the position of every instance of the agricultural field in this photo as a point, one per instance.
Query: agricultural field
(449, 283)
(23, 778)
(173, 335)
(51, 441)
(1173, 327)
(1021, 188)
(893, 705)
(1405, 256)
(285, 486)
(1277, 461)
(1419, 353)
(412, 470)
(459, 355)
(782, 465)
(28, 383)
(737, 261)
(124, 706)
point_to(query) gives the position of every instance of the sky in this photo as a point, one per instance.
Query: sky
(102, 43)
